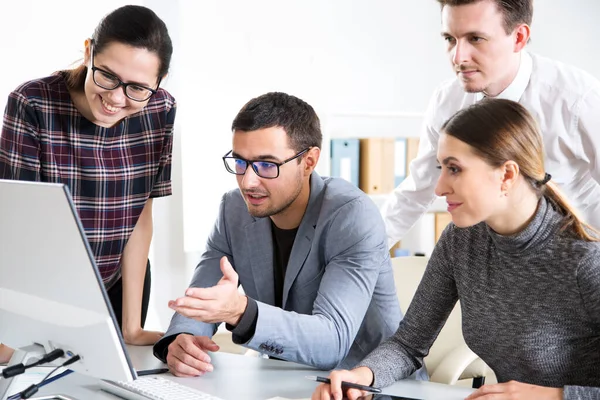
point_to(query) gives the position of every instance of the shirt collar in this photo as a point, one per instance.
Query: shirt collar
(515, 90)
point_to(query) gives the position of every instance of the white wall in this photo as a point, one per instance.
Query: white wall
(567, 31)
(381, 57)
(344, 57)
(39, 37)
(377, 57)
(340, 56)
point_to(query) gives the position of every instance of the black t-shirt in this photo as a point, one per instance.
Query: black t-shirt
(283, 241)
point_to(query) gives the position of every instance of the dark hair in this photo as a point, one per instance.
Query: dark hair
(135, 26)
(515, 11)
(500, 130)
(295, 116)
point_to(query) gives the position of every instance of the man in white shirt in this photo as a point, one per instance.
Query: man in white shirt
(485, 44)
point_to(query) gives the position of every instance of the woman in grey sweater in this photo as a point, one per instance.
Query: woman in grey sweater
(524, 266)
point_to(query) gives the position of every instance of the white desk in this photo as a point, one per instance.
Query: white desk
(238, 377)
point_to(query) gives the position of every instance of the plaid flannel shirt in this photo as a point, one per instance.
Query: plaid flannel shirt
(110, 172)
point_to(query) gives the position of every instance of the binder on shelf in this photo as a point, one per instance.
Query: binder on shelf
(376, 165)
(412, 148)
(395, 247)
(442, 219)
(400, 164)
(401, 253)
(345, 158)
(398, 251)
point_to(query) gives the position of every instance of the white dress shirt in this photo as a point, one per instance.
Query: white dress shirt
(566, 103)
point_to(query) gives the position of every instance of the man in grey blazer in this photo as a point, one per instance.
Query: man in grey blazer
(310, 253)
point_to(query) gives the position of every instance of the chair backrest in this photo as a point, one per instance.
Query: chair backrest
(408, 272)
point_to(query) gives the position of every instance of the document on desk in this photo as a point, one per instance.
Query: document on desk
(30, 377)
(285, 398)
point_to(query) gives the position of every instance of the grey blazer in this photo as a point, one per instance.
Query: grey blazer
(339, 298)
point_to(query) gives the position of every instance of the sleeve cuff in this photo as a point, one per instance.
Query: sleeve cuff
(580, 392)
(161, 190)
(161, 348)
(244, 331)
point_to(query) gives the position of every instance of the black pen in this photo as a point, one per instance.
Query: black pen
(345, 384)
(152, 371)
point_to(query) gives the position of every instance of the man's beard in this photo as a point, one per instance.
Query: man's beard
(276, 210)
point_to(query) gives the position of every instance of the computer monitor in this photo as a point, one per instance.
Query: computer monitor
(51, 293)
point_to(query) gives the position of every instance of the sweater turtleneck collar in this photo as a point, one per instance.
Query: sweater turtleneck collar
(540, 230)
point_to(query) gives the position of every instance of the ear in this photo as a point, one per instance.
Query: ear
(162, 79)
(522, 34)
(87, 51)
(509, 174)
(310, 160)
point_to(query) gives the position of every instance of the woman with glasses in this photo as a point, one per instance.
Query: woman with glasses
(105, 129)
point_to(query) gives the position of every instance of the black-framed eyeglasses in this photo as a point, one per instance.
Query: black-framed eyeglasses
(264, 169)
(110, 81)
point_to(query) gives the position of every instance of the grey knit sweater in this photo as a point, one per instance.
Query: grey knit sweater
(530, 306)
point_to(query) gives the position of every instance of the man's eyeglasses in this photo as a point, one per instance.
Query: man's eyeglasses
(264, 169)
(109, 81)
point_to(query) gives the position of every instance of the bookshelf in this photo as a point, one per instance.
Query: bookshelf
(360, 125)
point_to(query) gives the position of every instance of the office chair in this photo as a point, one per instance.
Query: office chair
(223, 339)
(450, 361)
